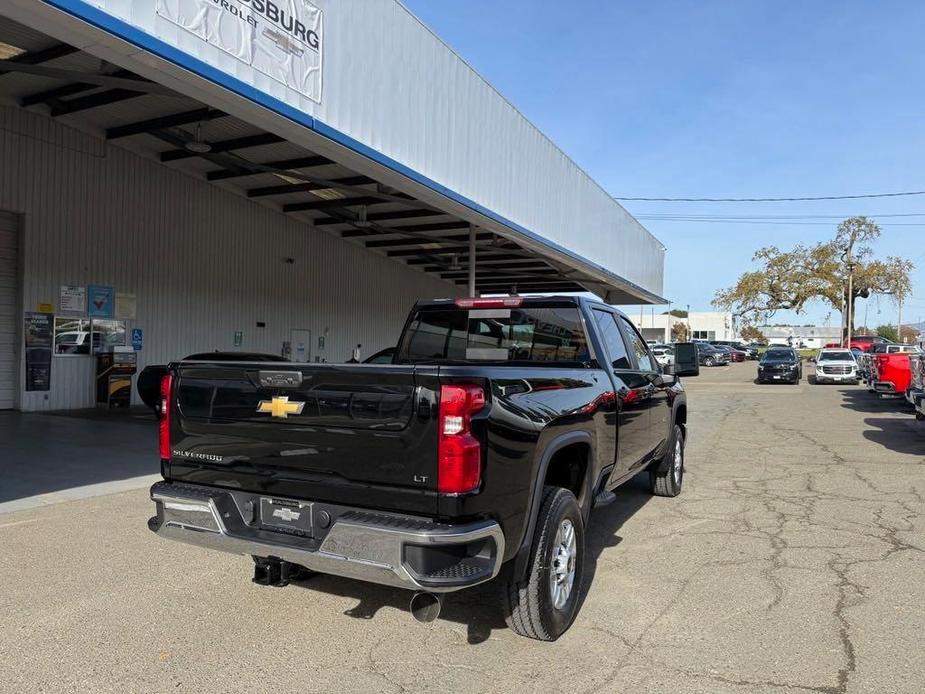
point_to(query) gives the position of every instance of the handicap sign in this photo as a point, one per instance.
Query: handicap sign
(137, 339)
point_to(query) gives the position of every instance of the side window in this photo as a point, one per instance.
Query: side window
(638, 346)
(613, 341)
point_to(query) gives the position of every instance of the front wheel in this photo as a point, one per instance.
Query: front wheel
(666, 479)
(544, 605)
(709, 361)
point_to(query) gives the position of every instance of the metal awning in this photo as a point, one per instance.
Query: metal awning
(40, 73)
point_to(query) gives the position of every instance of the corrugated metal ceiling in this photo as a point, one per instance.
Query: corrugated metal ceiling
(271, 172)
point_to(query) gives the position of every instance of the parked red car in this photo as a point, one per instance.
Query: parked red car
(734, 354)
(862, 342)
(892, 374)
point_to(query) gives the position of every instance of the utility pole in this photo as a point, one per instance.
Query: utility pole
(690, 335)
(849, 262)
(850, 296)
(669, 333)
(842, 325)
(899, 319)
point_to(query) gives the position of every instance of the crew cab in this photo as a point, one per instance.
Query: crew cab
(863, 342)
(891, 374)
(477, 454)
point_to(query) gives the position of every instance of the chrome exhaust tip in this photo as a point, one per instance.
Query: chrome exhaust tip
(425, 607)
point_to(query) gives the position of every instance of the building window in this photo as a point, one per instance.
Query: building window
(709, 335)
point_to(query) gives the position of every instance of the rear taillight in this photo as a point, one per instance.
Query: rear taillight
(164, 412)
(459, 456)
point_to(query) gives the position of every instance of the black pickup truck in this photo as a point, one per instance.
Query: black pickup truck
(477, 454)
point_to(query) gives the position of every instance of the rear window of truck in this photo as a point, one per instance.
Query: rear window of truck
(526, 334)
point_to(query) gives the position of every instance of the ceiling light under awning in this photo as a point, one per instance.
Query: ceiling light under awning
(198, 146)
(328, 194)
(8, 51)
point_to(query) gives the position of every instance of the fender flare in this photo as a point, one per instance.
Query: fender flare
(522, 558)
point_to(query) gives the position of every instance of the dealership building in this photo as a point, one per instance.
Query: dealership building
(701, 325)
(286, 178)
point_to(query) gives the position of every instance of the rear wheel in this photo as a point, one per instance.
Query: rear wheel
(544, 605)
(666, 479)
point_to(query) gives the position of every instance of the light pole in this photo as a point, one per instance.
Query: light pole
(690, 335)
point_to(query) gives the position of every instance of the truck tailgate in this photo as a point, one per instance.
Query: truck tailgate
(312, 431)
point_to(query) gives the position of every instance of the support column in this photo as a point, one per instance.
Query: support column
(472, 260)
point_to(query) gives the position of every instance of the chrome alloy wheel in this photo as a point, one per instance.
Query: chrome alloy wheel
(677, 465)
(562, 564)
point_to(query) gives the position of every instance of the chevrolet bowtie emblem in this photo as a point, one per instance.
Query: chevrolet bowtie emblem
(280, 406)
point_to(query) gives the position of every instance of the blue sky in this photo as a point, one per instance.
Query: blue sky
(721, 99)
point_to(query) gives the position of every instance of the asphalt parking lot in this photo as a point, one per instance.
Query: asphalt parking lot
(792, 562)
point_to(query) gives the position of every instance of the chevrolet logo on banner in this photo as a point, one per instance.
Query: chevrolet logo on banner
(280, 406)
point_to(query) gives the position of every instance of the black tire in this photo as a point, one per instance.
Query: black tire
(670, 481)
(528, 605)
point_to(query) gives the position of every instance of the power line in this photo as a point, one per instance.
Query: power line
(744, 217)
(758, 221)
(800, 199)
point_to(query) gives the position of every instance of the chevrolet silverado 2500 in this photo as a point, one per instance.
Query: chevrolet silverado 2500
(477, 454)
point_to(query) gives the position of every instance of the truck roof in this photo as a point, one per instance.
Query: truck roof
(514, 301)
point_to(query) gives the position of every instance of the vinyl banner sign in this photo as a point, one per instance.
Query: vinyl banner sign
(280, 38)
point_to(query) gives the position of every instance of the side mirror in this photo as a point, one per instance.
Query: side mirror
(668, 370)
(686, 359)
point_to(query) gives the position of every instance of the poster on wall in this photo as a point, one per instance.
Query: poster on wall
(125, 306)
(281, 39)
(101, 299)
(72, 299)
(37, 337)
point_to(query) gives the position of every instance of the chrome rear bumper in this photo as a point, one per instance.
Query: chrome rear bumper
(401, 551)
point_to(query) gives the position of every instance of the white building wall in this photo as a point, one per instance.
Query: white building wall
(658, 326)
(810, 337)
(202, 262)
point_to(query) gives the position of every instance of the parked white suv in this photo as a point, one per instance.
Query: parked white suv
(836, 366)
(663, 355)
